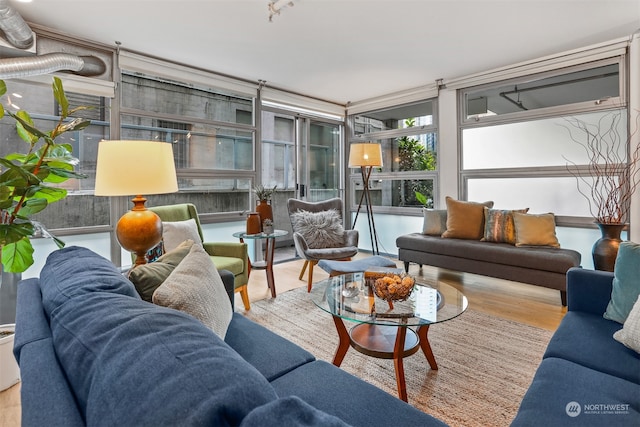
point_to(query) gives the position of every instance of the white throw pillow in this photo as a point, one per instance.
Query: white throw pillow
(320, 229)
(195, 287)
(629, 335)
(174, 233)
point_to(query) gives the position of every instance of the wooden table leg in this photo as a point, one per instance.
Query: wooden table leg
(269, 252)
(426, 347)
(399, 364)
(344, 342)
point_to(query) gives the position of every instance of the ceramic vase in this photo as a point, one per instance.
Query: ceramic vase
(605, 249)
(265, 210)
(254, 224)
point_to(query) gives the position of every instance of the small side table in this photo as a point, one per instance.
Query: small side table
(269, 249)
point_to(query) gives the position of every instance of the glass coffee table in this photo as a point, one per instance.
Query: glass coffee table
(384, 331)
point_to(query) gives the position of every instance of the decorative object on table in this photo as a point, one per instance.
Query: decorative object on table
(267, 226)
(9, 370)
(608, 180)
(253, 223)
(26, 178)
(263, 196)
(395, 287)
(126, 168)
(366, 156)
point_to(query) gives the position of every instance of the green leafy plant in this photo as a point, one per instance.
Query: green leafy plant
(414, 156)
(264, 193)
(29, 180)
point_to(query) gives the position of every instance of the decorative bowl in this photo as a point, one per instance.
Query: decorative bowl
(396, 287)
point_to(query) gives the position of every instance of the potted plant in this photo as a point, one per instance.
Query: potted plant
(608, 180)
(263, 196)
(29, 181)
(267, 226)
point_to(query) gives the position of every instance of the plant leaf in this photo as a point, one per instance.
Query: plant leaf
(17, 256)
(11, 233)
(59, 95)
(421, 198)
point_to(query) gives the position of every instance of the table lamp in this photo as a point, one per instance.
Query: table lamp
(126, 168)
(367, 156)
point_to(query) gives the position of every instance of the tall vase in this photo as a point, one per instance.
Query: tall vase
(605, 249)
(265, 211)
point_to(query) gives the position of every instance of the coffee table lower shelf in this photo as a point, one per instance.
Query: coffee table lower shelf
(385, 342)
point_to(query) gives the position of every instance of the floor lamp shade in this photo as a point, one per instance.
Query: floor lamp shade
(365, 154)
(134, 168)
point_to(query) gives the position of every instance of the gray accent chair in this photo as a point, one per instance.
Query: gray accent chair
(311, 254)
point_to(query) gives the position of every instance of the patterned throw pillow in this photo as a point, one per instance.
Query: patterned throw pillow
(499, 226)
(320, 229)
(629, 335)
(195, 287)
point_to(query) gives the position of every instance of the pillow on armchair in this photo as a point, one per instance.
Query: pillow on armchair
(320, 229)
(176, 232)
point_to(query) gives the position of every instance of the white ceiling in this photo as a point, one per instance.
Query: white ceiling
(342, 50)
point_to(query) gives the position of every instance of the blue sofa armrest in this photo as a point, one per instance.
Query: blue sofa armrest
(46, 398)
(588, 290)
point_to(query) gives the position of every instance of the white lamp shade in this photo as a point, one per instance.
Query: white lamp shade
(365, 154)
(126, 168)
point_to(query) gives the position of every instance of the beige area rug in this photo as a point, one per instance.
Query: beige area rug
(485, 363)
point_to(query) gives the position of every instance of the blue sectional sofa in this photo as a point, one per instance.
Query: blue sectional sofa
(91, 352)
(586, 377)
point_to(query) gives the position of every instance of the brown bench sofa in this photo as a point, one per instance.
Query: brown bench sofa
(536, 265)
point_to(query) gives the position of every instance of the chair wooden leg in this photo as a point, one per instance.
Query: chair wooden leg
(304, 267)
(244, 294)
(310, 279)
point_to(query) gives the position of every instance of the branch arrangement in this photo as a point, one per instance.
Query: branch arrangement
(612, 175)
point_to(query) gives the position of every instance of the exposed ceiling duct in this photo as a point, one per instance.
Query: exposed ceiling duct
(18, 33)
(50, 63)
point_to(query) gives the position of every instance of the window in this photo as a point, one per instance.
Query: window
(212, 134)
(38, 100)
(516, 143)
(409, 142)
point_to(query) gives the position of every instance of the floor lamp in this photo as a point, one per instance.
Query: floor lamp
(366, 156)
(126, 168)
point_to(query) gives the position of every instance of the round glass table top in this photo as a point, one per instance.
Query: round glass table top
(244, 235)
(350, 296)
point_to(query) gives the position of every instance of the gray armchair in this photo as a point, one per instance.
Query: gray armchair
(317, 236)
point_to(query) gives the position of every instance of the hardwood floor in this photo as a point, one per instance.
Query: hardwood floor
(532, 305)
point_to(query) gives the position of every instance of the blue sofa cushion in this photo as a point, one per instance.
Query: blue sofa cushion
(336, 392)
(44, 389)
(269, 353)
(290, 411)
(567, 394)
(587, 339)
(134, 363)
(626, 283)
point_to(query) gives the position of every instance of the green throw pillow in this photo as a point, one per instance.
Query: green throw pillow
(148, 277)
(626, 282)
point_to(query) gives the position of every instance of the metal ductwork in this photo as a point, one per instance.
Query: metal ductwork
(18, 33)
(50, 63)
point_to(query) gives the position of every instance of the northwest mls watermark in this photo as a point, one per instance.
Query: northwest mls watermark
(574, 409)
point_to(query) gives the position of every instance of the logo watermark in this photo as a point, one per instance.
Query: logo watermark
(574, 409)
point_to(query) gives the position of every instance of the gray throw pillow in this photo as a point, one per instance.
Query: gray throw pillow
(320, 229)
(195, 287)
(435, 221)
